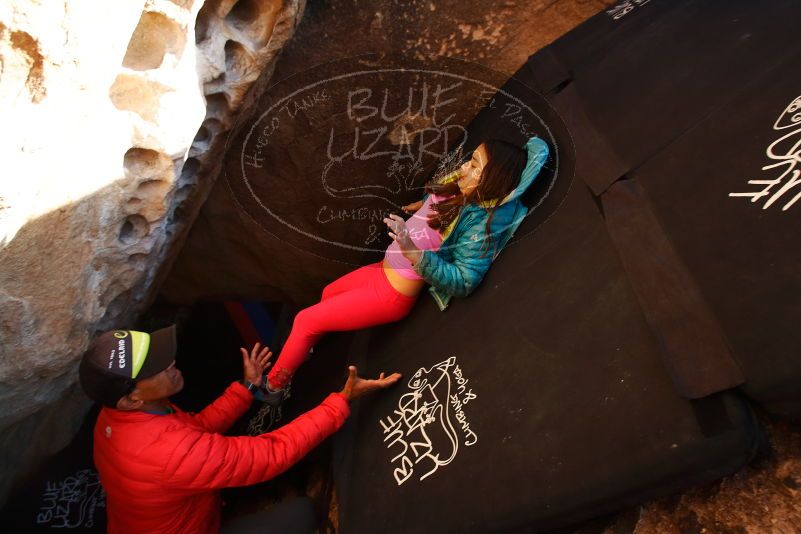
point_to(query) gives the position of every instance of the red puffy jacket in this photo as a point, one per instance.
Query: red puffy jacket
(162, 473)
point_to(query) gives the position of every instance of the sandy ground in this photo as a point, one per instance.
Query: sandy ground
(761, 498)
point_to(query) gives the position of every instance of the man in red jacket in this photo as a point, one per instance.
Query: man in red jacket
(162, 468)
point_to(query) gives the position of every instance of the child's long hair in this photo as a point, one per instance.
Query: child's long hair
(499, 177)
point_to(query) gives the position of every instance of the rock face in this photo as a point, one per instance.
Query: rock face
(281, 222)
(113, 123)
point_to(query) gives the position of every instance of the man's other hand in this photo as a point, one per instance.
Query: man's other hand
(256, 363)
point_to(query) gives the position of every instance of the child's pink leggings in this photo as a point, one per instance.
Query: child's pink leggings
(359, 299)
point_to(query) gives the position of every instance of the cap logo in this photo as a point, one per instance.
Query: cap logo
(121, 354)
(140, 344)
(120, 334)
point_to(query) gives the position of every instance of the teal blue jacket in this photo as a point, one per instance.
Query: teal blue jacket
(457, 268)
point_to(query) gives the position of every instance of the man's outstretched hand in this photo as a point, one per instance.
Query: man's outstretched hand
(356, 386)
(255, 363)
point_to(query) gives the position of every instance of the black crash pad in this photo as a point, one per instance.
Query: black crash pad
(694, 348)
(537, 402)
(641, 80)
(63, 494)
(742, 255)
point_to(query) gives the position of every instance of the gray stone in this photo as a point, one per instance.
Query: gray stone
(114, 122)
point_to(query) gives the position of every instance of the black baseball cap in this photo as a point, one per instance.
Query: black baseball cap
(115, 360)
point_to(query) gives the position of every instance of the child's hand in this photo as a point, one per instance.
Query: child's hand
(400, 233)
(414, 206)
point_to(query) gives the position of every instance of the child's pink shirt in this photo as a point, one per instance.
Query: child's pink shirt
(423, 236)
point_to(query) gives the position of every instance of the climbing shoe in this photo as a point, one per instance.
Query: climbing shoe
(270, 412)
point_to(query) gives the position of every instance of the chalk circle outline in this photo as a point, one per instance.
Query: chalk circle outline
(556, 154)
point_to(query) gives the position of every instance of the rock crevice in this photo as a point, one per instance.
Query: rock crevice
(115, 120)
